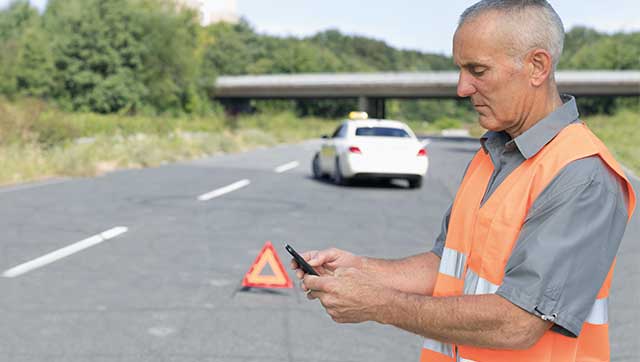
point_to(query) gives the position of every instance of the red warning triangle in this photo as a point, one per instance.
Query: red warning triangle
(254, 278)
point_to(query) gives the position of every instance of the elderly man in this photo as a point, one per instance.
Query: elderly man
(522, 268)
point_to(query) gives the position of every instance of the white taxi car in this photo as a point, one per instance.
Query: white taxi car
(371, 148)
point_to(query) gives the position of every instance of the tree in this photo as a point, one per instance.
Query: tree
(97, 46)
(616, 52)
(124, 55)
(588, 49)
(229, 48)
(574, 40)
(14, 21)
(34, 67)
(171, 69)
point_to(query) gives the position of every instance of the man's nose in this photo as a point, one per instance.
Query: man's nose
(465, 86)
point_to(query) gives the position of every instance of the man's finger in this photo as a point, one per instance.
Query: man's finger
(312, 282)
(319, 258)
(308, 255)
(310, 295)
(313, 294)
(308, 292)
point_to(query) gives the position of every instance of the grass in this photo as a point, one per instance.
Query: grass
(38, 141)
(621, 133)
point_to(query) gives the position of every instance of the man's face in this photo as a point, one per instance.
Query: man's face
(496, 84)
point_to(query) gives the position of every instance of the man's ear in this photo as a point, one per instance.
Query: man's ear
(540, 66)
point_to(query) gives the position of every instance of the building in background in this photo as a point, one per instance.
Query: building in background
(213, 11)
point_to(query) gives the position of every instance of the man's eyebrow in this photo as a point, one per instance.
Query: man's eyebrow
(472, 65)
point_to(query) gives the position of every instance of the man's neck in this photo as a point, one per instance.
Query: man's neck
(545, 104)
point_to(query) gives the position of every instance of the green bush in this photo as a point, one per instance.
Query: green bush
(447, 123)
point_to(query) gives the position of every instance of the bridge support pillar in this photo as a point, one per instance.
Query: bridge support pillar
(375, 107)
(235, 106)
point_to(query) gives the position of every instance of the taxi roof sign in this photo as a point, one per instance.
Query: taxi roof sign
(358, 115)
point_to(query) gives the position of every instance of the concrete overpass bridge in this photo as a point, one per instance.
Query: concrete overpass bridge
(371, 89)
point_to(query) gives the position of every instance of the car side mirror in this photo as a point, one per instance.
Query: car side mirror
(325, 137)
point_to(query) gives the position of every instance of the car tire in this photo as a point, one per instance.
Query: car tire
(315, 167)
(338, 177)
(415, 183)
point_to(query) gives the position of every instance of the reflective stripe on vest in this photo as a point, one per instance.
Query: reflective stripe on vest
(474, 284)
(439, 347)
(599, 312)
(452, 263)
(460, 359)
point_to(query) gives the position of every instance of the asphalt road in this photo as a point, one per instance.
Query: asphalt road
(167, 289)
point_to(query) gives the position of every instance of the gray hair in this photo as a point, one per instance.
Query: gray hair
(538, 23)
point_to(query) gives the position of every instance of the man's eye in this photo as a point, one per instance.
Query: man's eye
(477, 71)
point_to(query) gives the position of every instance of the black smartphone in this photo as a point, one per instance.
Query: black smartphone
(301, 262)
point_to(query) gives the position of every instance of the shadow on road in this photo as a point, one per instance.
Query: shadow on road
(394, 184)
(259, 291)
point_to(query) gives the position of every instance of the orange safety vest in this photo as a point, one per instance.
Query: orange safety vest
(480, 241)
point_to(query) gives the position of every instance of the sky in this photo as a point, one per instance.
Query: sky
(407, 24)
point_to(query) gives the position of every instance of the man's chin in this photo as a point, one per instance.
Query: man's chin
(489, 123)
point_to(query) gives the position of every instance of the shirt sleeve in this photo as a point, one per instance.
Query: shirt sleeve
(438, 247)
(567, 245)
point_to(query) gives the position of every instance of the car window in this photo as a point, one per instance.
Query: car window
(343, 131)
(381, 132)
(337, 131)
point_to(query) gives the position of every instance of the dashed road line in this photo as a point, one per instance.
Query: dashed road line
(64, 252)
(224, 190)
(287, 167)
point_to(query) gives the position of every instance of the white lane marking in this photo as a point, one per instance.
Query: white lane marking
(33, 185)
(224, 190)
(64, 252)
(287, 167)
(220, 282)
(161, 331)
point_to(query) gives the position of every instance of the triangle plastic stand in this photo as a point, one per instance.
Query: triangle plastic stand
(279, 278)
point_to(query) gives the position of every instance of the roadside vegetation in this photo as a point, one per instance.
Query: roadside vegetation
(39, 141)
(88, 86)
(621, 133)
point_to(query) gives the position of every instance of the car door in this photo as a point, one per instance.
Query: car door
(328, 149)
(339, 145)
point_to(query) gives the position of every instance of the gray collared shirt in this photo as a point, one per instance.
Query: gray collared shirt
(571, 233)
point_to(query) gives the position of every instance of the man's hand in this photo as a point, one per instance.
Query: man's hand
(349, 295)
(344, 290)
(325, 262)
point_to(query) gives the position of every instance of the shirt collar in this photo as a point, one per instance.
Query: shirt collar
(492, 138)
(535, 138)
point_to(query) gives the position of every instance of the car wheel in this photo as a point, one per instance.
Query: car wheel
(415, 183)
(339, 178)
(315, 167)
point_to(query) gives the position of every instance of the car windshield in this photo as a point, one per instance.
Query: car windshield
(381, 132)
